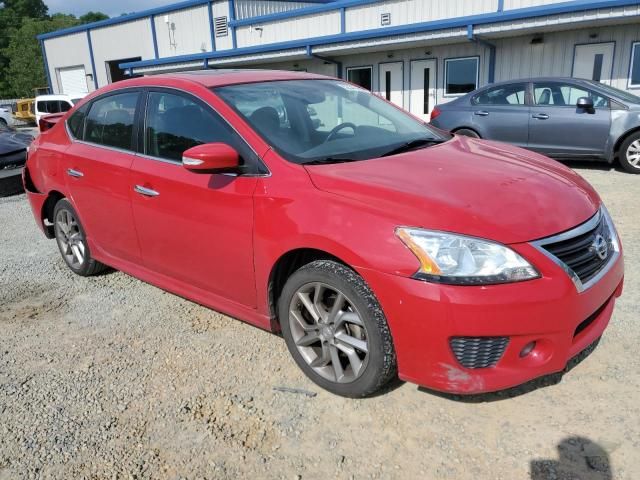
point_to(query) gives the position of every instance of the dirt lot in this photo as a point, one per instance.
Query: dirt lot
(111, 378)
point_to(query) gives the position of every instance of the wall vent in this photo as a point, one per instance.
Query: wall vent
(385, 19)
(221, 26)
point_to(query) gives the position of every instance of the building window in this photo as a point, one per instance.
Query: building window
(634, 72)
(360, 76)
(461, 75)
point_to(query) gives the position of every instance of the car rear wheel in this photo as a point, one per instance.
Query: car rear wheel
(336, 330)
(72, 241)
(467, 132)
(630, 154)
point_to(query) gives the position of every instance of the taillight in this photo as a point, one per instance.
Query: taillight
(45, 125)
(435, 113)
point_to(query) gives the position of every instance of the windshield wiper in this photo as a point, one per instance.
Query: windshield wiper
(412, 145)
(330, 160)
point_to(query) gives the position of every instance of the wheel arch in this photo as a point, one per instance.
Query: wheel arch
(474, 130)
(46, 216)
(284, 267)
(621, 139)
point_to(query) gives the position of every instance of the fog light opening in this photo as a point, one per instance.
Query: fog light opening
(528, 348)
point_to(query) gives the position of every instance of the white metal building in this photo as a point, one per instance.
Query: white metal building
(415, 52)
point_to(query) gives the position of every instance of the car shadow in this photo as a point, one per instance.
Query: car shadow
(586, 165)
(530, 386)
(578, 457)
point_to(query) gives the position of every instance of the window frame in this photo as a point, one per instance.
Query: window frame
(361, 67)
(534, 103)
(255, 165)
(527, 95)
(630, 84)
(446, 75)
(90, 104)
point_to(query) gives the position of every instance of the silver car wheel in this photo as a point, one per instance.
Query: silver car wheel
(70, 239)
(329, 332)
(633, 154)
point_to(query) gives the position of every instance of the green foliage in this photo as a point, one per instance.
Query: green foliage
(21, 64)
(90, 17)
(25, 68)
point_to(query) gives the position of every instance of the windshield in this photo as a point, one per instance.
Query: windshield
(617, 93)
(316, 121)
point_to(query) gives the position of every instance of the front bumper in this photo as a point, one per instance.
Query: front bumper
(424, 317)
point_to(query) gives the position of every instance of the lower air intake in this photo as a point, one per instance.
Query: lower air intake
(478, 352)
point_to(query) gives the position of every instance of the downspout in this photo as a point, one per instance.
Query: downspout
(326, 59)
(492, 51)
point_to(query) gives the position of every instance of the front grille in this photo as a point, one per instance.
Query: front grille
(580, 254)
(478, 352)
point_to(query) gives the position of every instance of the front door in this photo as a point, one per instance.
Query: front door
(594, 62)
(391, 82)
(558, 128)
(195, 228)
(97, 167)
(423, 88)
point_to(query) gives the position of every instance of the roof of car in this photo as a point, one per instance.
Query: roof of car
(219, 77)
(540, 79)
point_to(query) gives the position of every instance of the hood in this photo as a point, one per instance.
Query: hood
(469, 186)
(13, 141)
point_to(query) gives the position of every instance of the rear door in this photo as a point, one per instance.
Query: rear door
(97, 167)
(502, 113)
(559, 129)
(193, 227)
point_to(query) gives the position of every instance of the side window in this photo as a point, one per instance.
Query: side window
(76, 122)
(110, 121)
(565, 95)
(175, 123)
(65, 106)
(503, 95)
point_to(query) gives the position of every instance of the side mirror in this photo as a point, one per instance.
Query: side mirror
(585, 103)
(211, 158)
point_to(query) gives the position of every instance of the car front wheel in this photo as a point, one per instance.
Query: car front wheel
(630, 154)
(335, 329)
(72, 241)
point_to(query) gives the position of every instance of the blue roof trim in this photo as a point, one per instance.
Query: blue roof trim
(460, 22)
(147, 13)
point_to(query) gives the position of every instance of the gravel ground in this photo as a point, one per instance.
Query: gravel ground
(109, 377)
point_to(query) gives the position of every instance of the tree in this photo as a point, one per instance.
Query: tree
(25, 67)
(90, 17)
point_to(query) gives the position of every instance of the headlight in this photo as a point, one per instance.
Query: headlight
(461, 260)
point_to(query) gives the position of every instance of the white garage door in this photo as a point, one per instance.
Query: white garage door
(73, 80)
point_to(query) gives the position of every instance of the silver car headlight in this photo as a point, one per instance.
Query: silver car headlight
(461, 260)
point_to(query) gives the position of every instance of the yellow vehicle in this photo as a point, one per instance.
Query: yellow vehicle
(25, 110)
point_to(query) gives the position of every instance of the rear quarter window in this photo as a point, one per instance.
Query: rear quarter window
(110, 121)
(76, 122)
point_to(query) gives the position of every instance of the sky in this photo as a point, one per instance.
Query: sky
(110, 7)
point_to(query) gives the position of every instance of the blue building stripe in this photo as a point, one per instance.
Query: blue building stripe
(212, 30)
(93, 62)
(154, 36)
(46, 66)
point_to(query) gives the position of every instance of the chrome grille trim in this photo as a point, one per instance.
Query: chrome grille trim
(589, 225)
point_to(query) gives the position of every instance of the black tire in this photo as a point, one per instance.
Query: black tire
(11, 182)
(467, 132)
(379, 365)
(625, 151)
(88, 266)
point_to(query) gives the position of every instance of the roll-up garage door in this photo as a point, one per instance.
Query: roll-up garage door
(73, 80)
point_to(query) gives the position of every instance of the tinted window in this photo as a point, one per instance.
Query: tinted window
(565, 95)
(461, 75)
(175, 124)
(360, 76)
(110, 121)
(503, 95)
(76, 122)
(49, 106)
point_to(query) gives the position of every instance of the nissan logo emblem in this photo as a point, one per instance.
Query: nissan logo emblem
(601, 247)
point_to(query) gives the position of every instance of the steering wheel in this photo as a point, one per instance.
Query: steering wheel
(337, 128)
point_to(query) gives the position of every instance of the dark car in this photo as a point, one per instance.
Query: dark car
(13, 155)
(563, 118)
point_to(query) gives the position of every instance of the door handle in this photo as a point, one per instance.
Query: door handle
(481, 113)
(74, 173)
(541, 116)
(147, 192)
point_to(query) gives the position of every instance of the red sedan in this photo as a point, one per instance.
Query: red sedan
(377, 245)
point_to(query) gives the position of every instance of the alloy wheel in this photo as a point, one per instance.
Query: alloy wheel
(633, 154)
(329, 332)
(70, 238)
